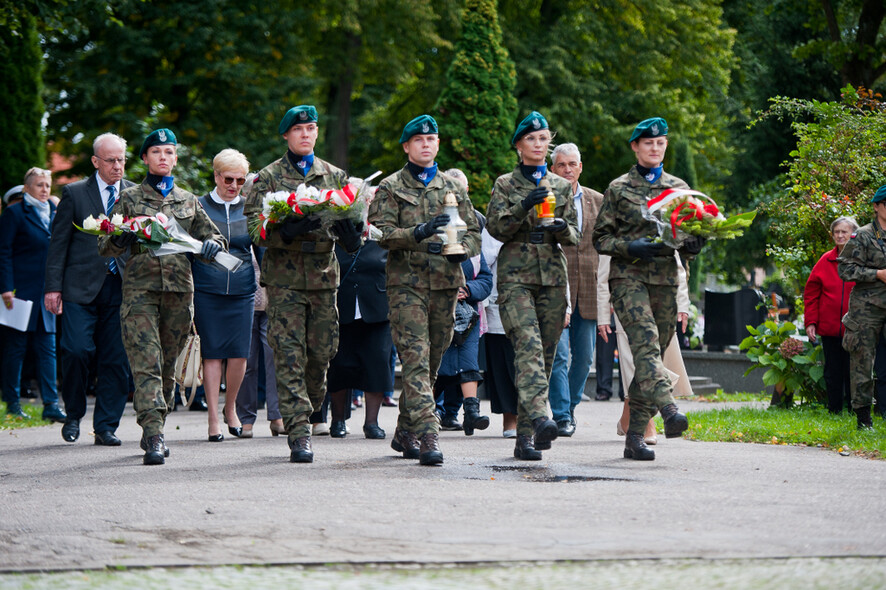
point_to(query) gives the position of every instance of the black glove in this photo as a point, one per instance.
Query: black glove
(427, 229)
(210, 249)
(348, 234)
(124, 240)
(644, 248)
(694, 244)
(293, 226)
(456, 257)
(535, 197)
(557, 224)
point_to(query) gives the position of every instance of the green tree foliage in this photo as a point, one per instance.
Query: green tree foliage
(597, 68)
(477, 107)
(838, 164)
(21, 105)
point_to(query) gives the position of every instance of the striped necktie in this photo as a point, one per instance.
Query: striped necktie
(112, 266)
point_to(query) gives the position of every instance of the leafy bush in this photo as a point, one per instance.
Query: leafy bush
(794, 365)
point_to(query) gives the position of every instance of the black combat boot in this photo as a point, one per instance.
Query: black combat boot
(429, 451)
(406, 443)
(301, 450)
(635, 447)
(473, 419)
(154, 450)
(525, 449)
(674, 422)
(863, 418)
(144, 444)
(545, 431)
(448, 422)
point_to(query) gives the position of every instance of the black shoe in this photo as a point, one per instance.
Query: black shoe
(565, 428)
(373, 431)
(198, 405)
(236, 431)
(154, 450)
(338, 429)
(603, 397)
(105, 439)
(429, 451)
(301, 450)
(53, 413)
(71, 430)
(525, 449)
(675, 423)
(406, 443)
(450, 423)
(216, 437)
(144, 444)
(635, 447)
(863, 418)
(15, 411)
(473, 419)
(545, 431)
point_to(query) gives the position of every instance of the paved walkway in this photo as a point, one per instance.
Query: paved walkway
(241, 501)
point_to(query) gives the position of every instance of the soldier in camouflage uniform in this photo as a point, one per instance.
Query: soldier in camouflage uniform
(422, 283)
(300, 272)
(643, 281)
(863, 260)
(532, 276)
(158, 291)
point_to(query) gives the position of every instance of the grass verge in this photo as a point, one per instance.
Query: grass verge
(806, 426)
(35, 417)
(721, 396)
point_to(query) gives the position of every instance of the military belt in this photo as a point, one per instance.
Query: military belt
(534, 237)
(316, 247)
(435, 247)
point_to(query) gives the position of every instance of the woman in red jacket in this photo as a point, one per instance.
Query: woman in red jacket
(826, 298)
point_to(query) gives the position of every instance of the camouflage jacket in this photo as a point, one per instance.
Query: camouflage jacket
(621, 221)
(170, 272)
(863, 255)
(401, 203)
(520, 259)
(308, 263)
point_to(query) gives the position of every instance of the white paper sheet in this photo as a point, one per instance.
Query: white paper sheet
(18, 317)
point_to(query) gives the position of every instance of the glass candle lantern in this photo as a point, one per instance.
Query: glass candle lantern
(545, 210)
(455, 230)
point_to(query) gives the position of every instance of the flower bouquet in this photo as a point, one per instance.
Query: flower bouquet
(349, 202)
(680, 213)
(160, 234)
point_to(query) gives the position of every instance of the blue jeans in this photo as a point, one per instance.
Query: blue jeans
(14, 356)
(568, 376)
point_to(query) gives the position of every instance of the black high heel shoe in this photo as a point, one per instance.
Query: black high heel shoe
(216, 437)
(234, 430)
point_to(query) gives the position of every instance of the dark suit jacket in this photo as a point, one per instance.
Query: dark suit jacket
(365, 281)
(24, 243)
(74, 265)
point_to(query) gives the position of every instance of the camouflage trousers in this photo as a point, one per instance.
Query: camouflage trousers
(863, 323)
(155, 328)
(421, 327)
(303, 331)
(532, 317)
(649, 316)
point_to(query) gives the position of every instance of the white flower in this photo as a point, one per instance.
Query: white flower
(116, 220)
(90, 223)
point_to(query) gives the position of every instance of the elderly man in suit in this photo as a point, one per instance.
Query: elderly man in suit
(86, 290)
(575, 351)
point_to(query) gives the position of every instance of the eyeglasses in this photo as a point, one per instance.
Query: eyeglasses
(229, 180)
(112, 161)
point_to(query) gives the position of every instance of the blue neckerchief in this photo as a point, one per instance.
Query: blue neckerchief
(651, 174)
(302, 163)
(162, 184)
(422, 174)
(534, 173)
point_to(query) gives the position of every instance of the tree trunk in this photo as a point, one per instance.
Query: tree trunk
(338, 130)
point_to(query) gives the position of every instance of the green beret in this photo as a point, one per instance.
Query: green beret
(533, 122)
(158, 137)
(654, 127)
(421, 125)
(880, 195)
(303, 113)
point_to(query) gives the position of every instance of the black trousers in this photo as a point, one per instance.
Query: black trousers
(836, 373)
(605, 360)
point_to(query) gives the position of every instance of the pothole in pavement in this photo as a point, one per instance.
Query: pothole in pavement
(546, 475)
